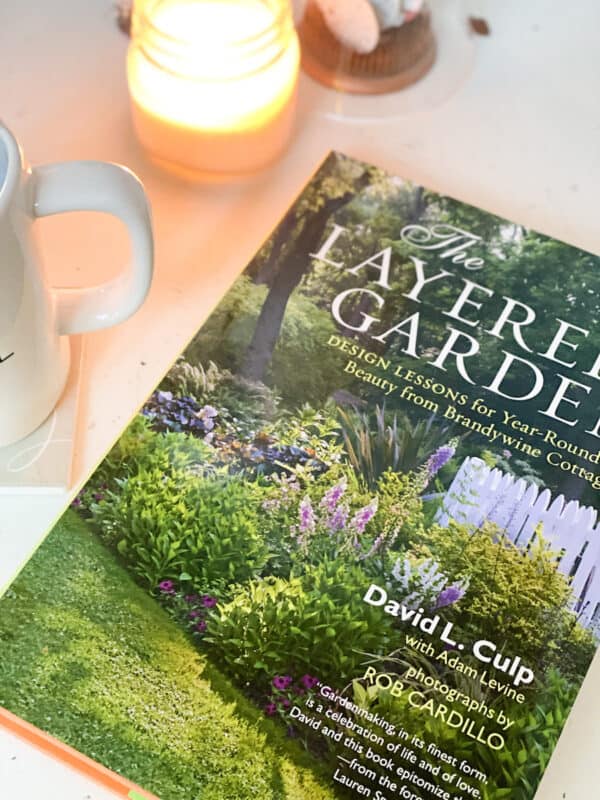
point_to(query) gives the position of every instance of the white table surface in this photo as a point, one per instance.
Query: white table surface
(520, 137)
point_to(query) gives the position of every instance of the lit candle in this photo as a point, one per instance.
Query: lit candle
(213, 82)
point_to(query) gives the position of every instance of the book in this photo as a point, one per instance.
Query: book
(349, 547)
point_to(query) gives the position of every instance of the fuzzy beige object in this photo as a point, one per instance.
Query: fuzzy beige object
(298, 9)
(393, 13)
(354, 23)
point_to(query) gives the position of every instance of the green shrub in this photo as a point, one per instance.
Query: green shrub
(400, 514)
(148, 520)
(166, 524)
(142, 448)
(250, 405)
(316, 623)
(519, 600)
(514, 771)
(224, 545)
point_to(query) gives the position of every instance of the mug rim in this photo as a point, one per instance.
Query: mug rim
(14, 163)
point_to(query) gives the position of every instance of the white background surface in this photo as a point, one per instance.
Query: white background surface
(520, 137)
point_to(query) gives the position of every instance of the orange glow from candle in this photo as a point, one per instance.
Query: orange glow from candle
(213, 74)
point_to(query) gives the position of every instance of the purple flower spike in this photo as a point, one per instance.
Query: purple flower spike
(332, 497)
(282, 682)
(450, 595)
(195, 614)
(363, 516)
(338, 519)
(439, 459)
(208, 601)
(307, 516)
(200, 626)
(270, 709)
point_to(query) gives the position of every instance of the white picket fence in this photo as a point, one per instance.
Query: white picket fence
(479, 493)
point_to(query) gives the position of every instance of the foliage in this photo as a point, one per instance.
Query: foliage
(190, 610)
(317, 431)
(423, 584)
(330, 517)
(316, 623)
(185, 379)
(301, 369)
(229, 327)
(531, 740)
(514, 771)
(141, 448)
(510, 465)
(147, 520)
(249, 405)
(388, 441)
(89, 657)
(265, 455)
(518, 600)
(400, 514)
(166, 525)
(244, 406)
(167, 412)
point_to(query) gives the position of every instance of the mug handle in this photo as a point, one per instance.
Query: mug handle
(110, 189)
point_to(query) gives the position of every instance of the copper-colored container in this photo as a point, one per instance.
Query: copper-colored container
(404, 55)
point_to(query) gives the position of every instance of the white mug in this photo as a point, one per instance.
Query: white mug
(35, 320)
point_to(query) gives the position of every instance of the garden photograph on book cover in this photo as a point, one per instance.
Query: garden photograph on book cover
(348, 547)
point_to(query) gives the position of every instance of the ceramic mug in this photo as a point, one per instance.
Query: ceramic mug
(35, 320)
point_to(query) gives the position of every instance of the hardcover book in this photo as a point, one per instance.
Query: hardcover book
(349, 546)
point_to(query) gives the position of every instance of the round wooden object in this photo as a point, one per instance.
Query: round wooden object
(403, 56)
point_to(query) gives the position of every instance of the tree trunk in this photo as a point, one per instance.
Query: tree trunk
(281, 237)
(286, 279)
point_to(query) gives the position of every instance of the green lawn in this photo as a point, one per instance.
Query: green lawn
(86, 655)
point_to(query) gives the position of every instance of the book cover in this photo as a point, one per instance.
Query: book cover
(349, 546)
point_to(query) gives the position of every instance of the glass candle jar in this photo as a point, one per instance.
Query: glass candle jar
(213, 82)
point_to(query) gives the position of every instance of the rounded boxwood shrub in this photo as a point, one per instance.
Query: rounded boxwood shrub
(315, 623)
(168, 524)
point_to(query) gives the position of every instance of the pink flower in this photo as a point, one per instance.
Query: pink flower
(309, 681)
(270, 709)
(167, 587)
(200, 626)
(282, 682)
(208, 601)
